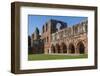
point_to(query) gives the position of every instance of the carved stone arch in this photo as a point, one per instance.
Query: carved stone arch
(57, 47)
(63, 47)
(80, 40)
(71, 48)
(81, 47)
(53, 49)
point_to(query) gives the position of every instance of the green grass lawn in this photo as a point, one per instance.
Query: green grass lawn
(54, 57)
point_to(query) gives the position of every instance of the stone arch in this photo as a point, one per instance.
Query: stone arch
(63, 47)
(53, 49)
(80, 40)
(57, 47)
(71, 48)
(81, 47)
(58, 26)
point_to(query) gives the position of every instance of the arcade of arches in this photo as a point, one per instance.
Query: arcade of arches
(79, 48)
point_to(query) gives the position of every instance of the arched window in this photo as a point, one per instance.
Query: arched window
(47, 39)
(58, 26)
(75, 29)
(84, 29)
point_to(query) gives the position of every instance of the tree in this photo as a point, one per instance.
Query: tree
(29, 41)
(37, 30)
(29, 45)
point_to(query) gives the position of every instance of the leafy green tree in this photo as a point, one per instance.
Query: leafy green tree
(37, 30)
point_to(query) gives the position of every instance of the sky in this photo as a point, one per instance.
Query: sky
(39, 20)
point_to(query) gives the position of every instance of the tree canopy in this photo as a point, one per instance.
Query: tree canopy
(37, 30)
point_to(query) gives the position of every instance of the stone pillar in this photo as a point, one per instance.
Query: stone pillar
(50, 51)
(76, 50)
(68, 51)
(61, 49)
(86, 50)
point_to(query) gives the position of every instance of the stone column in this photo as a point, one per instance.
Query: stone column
(76, 50)
(50, 51)
(61, 49)
(86, 50)
(68, 51)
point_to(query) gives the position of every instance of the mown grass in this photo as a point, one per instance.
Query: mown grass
(54, 57)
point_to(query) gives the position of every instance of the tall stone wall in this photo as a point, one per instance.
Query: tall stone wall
(74, 39)
(47, 30)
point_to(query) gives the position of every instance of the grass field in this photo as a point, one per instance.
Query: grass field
(54, 57)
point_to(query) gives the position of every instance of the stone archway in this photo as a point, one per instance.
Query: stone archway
(81, 48)
(71, 48)
(57, 47)
(64, 48)
(53, 49)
